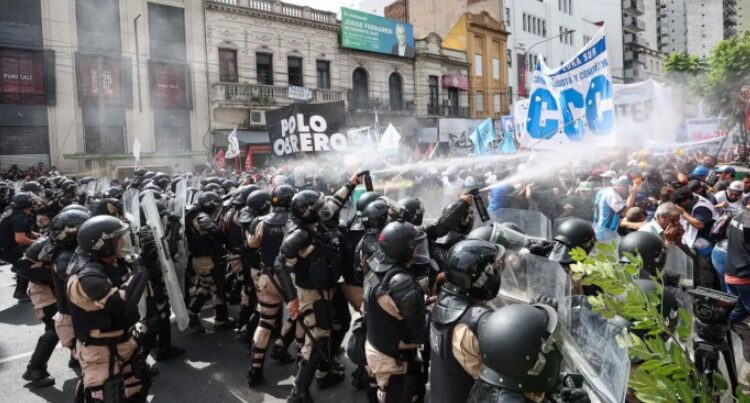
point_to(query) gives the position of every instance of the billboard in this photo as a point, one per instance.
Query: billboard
(22, 77)
(170, 85)
(99, 78)
(373, 33)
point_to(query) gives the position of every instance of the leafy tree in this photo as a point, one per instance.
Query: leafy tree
(728, 70)
(666, 372)
(682, 64)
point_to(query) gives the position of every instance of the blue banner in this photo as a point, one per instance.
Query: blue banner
(482, 137)
(508, 145)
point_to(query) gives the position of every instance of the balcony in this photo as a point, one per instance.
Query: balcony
(730, 19)
(382, 105)
(447, 111)
(277, 7)
(633, 7)
(633, 25)
(267, 95)
(633, 40)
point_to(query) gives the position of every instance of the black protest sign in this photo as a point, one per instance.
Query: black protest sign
(307, 128)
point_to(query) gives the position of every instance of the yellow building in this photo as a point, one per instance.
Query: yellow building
(484, 39)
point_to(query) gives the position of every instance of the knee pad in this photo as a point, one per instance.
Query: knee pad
(323, 314)
(404, 388)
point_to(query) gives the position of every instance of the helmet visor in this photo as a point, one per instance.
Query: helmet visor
(507, 237)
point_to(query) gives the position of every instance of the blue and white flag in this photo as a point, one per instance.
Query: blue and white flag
(482, 137)
(508, 146)
(572, 104)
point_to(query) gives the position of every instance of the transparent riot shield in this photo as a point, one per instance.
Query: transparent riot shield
(174, 291)
(526, 276)
(179, 205)
(589, 345)
(679, 262)
(533, 223)
(511, 239)
(91, 188)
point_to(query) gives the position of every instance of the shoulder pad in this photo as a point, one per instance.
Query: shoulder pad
(406, 293)
(294, 241)
(206, 223)
(379, 263)
(449, 308)
(62, 260)
(94, 281)
(246, 216)
(277, 218)
(473, 315)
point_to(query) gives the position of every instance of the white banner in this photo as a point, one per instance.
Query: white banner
(704, 129)
(137, 150)
(646, 111)
(233, 150)
(573, 104)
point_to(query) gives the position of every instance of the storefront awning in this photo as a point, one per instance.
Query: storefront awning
(243, 136)
(459, 81)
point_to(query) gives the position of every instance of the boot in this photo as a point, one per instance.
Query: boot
(305, 373)
(360, 381)
(222, 320)
(195, 323)
(36, 371)
(331, 378)
(20, 292)
(255, 376)
(166, 350)
(280, 354)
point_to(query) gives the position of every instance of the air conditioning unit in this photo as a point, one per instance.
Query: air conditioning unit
(257, 118)
(446, 102)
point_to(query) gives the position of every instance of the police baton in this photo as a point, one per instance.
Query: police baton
(301, 322)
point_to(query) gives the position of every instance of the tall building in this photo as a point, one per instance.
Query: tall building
(376, 7)
(115, 71)
(696, 26)
(743, 16)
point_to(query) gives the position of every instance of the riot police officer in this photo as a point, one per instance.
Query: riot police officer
(651, 249)
(395, 318)
(265, 235)
(374, 218)
(315, 260)
(34, 266)
(572, 233)
(520, 360)
(472, 276)
(63, 234)
(205, 243)
(104, 291)
(16, 235)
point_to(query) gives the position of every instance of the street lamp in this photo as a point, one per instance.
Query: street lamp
(528, 51)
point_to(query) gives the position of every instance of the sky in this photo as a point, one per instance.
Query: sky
(328, 5)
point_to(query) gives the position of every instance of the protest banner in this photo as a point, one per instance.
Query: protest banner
(307, 128)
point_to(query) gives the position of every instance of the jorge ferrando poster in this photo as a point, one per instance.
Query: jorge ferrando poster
(572, 104)
(307, 128)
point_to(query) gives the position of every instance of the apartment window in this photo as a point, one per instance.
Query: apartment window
(294, 71)
(525, 25)
(479, 101)
(264, 68)
(509, 57)
(396, 92)
(432, 82)
(544, 28)
(507, 17)
(360, 89)
(496, 100)
(495, 68)
(323, 68)
(478, 65)
(510, 95)
(228, 65)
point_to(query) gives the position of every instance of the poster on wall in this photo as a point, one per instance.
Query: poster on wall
(372, 33)
(307, 129)
(100, 78)
(572, 105)
(21, 77)
(170, 85)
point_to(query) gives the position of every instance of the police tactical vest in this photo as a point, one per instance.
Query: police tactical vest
(738, 251)
(384, 332)
(321, 268)
(274, 229)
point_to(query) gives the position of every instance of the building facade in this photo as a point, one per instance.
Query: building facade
(696, 26)
(439, 17)
(484, 39)
(121, 71)
(442, 79)
(743, 16)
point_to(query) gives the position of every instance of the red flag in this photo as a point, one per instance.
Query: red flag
(219, 160)
(249, 160)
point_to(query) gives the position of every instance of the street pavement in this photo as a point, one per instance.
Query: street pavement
(212, 370)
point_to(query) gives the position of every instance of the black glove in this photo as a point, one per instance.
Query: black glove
(570, 390)
(545, 300)
(149, 253)
(539, 248)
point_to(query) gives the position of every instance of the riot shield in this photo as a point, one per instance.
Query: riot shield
(589, 346)
(533, 223)
(526, 276)
(180, 202)
(131, 205)
(174, 291)
(679, 262)
(91, 188)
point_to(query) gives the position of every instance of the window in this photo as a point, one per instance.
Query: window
(324, 74)
(228, 65)
(478, 65)
(507, 17)
(264, 68)
(294, 71)
(495, 68)
(544, 28)
(525, 25)
(360, 89)
(510, 95)
(497, 101)
(479, 101)
(509, 57)
(395, 91)
(433, 107)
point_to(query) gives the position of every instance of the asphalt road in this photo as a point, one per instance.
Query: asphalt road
(212, 370)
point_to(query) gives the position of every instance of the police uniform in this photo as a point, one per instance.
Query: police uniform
(63, 321)
(14, 221)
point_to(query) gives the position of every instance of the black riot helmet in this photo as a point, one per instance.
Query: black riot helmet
(572, 233)
(149, 175)
(282, 196)
(400, 240)
(39, 251)
(366, 198)
(259, 202)
(75, 206)
(161, 180)
(474, 267)
(215, 188)
(518, 348)
(33, 187)
(113, 192)
(69, 187)
(375, 215)
(413, 210)
(239, 197)
(228, 185)
(63, 230)
(649, 246)
(139, 172)
(209, 201)
(305, 205)
(22, 200)
(98, 236)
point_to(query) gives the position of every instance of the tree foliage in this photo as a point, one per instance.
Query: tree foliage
(666, 372)
(728, 71)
